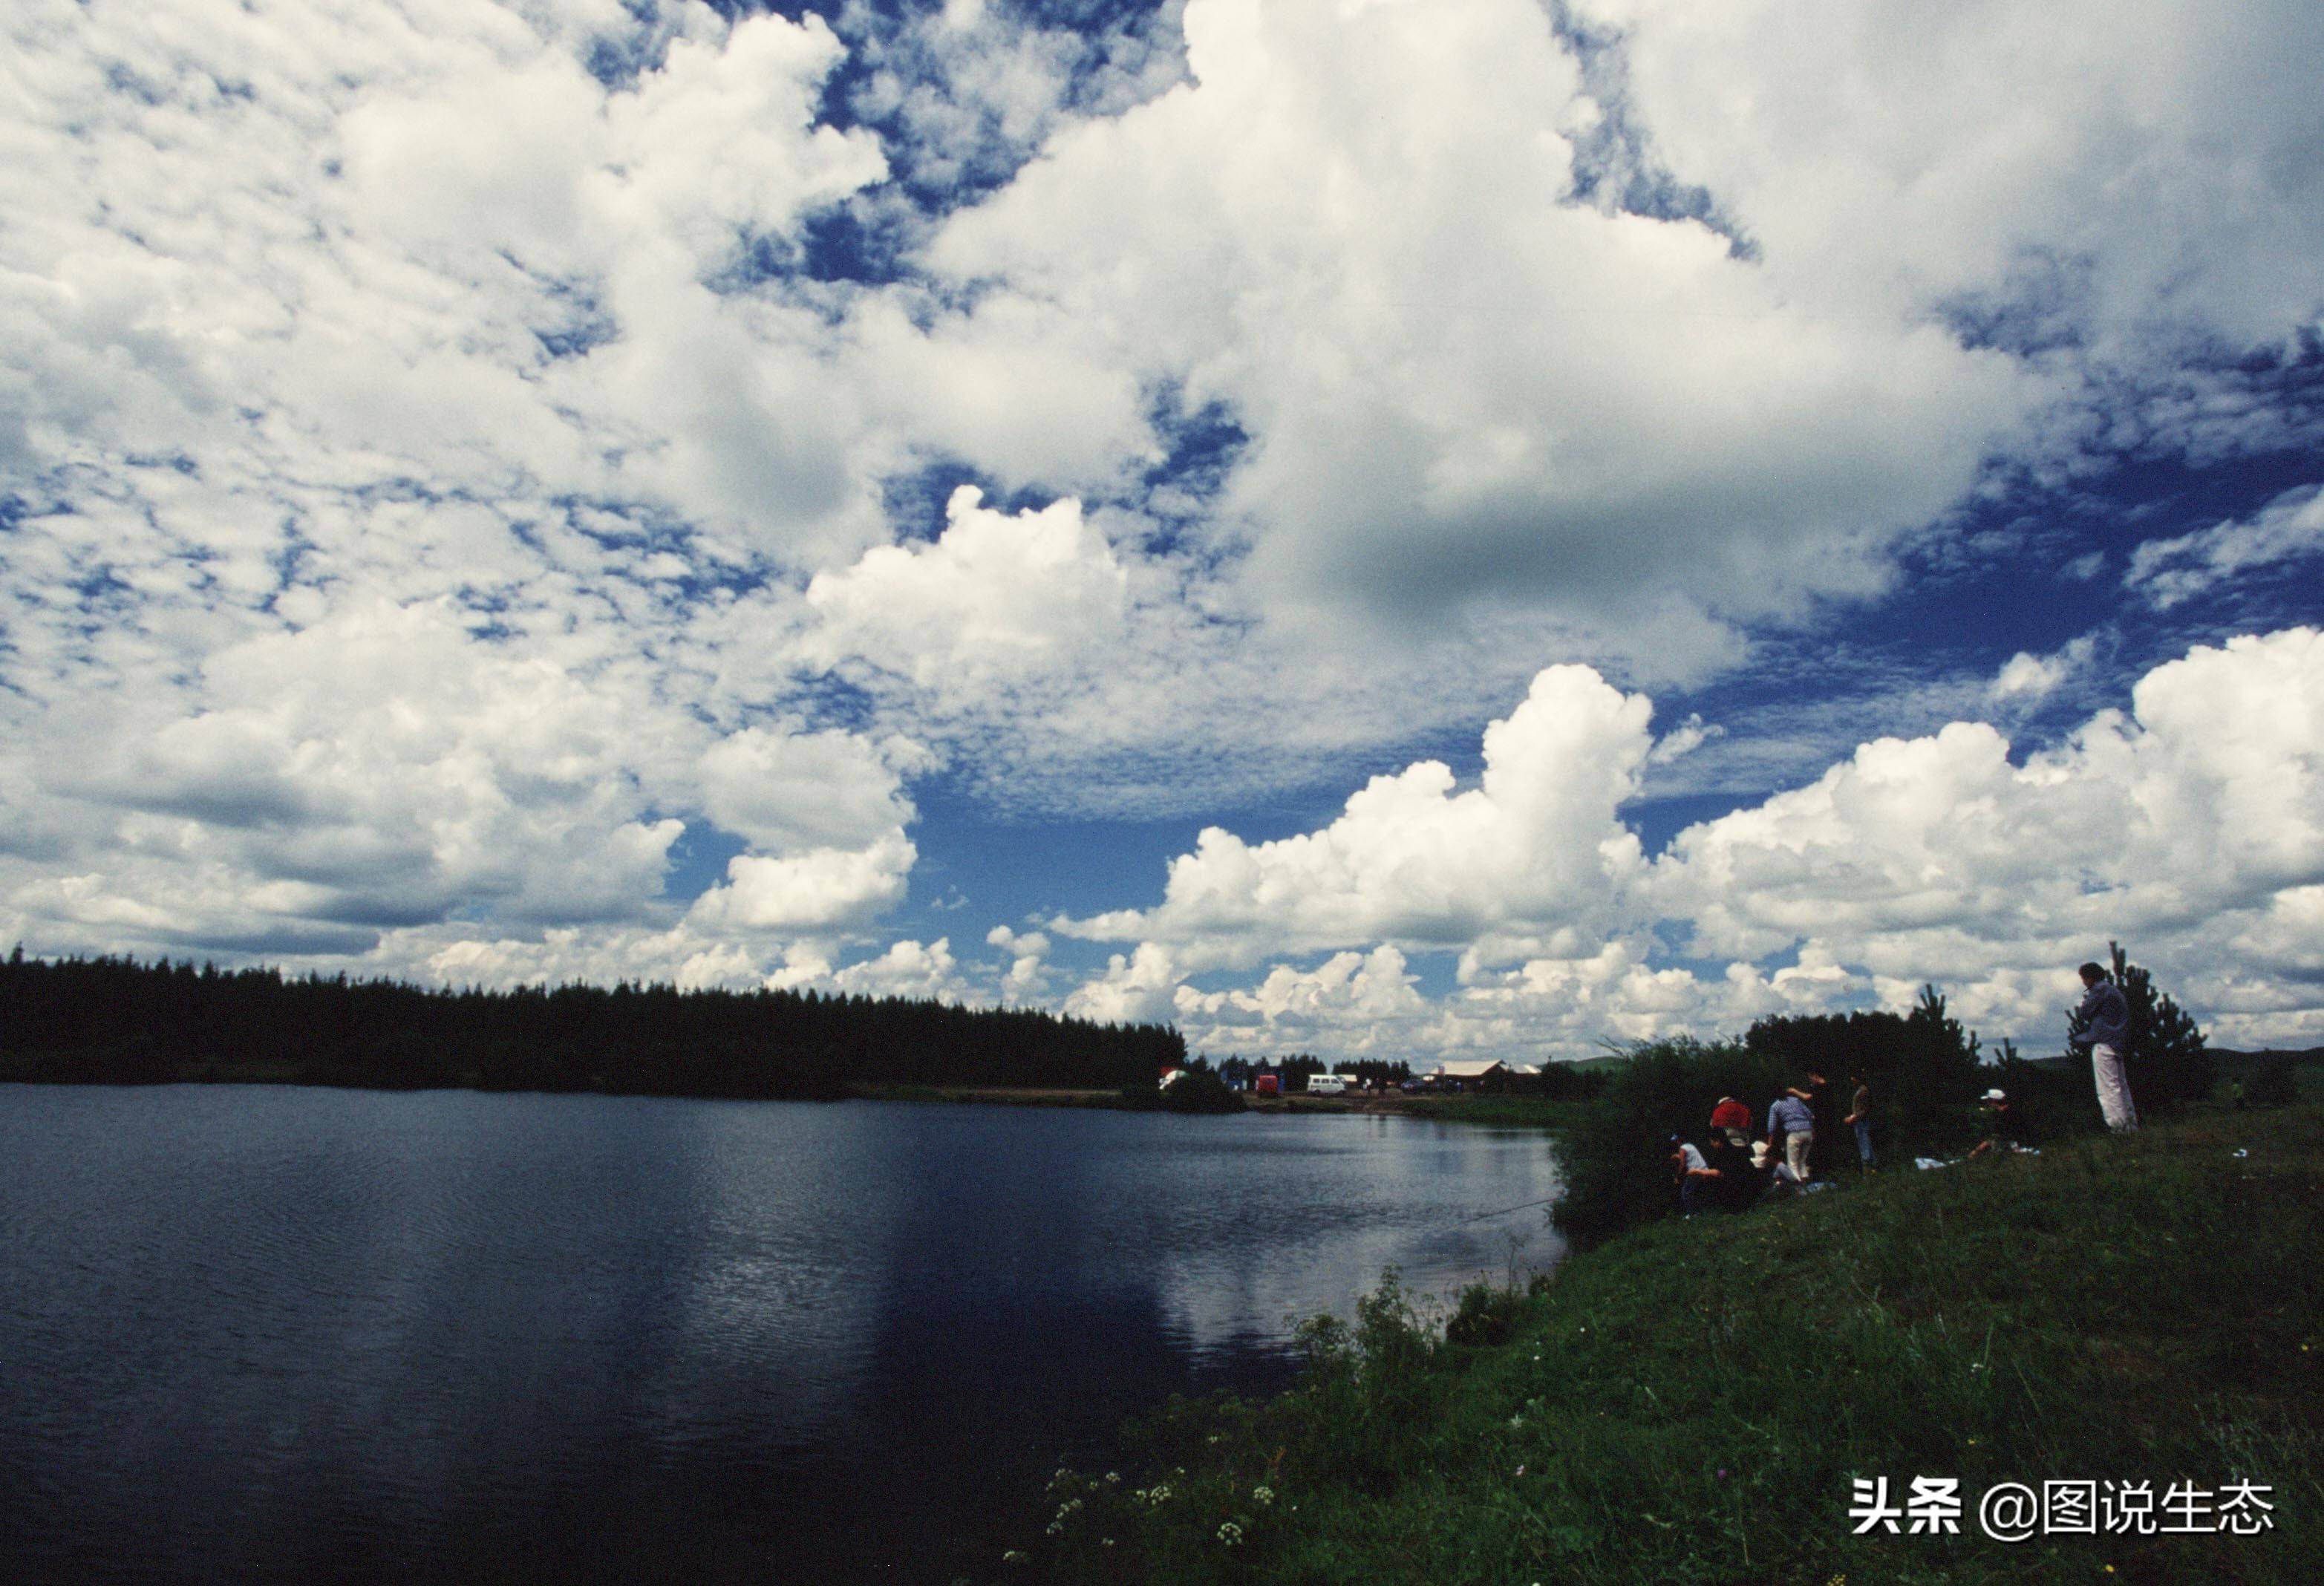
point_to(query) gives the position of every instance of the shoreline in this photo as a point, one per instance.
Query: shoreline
(1697, 1400)
(1490, 1111)
(1495, 1110)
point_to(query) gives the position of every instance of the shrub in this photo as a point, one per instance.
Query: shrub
(1616, 1151)
(1921, 1066)
(1197, 1089)
(2274, 1086)
(1485, 1314)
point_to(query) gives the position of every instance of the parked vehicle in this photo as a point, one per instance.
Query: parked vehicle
(1327, 1084)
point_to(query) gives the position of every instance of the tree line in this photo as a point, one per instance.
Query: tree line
(1296, 1069)
(116, 1021)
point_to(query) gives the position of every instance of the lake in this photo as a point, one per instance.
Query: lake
(276, 1333)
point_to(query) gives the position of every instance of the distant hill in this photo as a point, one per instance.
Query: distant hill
(2270, 1054)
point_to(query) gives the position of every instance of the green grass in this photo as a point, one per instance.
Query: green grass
(2306, 1070)
(1691, 1401)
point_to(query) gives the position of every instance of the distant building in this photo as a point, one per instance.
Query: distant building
(1469, 1074)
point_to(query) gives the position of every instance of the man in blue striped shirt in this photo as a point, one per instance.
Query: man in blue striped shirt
(1792, 1126)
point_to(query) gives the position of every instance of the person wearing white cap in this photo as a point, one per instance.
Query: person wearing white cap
(2001, 1139)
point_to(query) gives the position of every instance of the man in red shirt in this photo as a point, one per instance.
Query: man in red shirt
(1732, 1117)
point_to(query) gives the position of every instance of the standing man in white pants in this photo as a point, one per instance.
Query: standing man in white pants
(2107, 1030)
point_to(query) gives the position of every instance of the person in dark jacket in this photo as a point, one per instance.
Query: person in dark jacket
(1859, 1119)
(1735, 1186)
(2106, 1031)
(2000, 1126)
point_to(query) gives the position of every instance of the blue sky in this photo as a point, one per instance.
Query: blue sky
(1412, 528)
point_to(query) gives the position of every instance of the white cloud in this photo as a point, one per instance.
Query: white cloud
(2191, 829)
(2027, 679)
(818, 890)
(907, 969)
(2126, 170)
(995, 594)
(2167, 572)
(1684, 739)
(1358, 227)
(1942, 859)
(795, 791)
(381, 768)
(1533, 847)
(1359, 1003)
(1028, 974)
(431, 483)
(1136, 988)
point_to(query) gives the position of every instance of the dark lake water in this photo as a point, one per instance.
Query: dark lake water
(255, 1333)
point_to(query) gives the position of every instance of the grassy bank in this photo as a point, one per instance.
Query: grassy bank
(1692, 1401)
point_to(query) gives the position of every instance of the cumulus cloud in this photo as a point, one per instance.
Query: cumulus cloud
(1362, 1004)
(2192, 827)
(1139, 987)
(816, 789)
(1027, 976)
(821, 889)
(994, 593)
(2027, 679)
(1358, 228)
(1534, 846)
(1925, 857)
(907, 969)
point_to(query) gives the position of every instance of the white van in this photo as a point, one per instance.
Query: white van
(1327, 1084)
